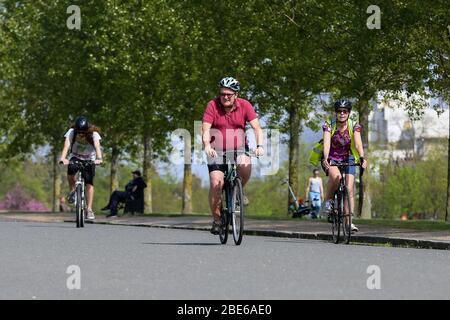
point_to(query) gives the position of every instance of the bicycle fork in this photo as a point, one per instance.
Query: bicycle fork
(82, 196)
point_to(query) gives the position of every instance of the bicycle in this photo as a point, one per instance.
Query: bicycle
(339, 215)
(80, 191)
(232, 207)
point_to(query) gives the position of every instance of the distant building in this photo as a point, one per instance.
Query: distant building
(393, 135)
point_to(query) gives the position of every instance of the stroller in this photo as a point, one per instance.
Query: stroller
(297, 208)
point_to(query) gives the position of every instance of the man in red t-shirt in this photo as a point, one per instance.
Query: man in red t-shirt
(223, 129)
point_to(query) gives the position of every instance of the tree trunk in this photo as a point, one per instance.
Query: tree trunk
(148, 167)
(187, 179)
(56, 182)
(187, 189)
(114, 180)
(294, 159)
(448, 174)
(366, 212)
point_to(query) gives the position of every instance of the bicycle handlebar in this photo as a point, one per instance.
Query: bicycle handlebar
(235, 153)
(347, 164)
(80, 162)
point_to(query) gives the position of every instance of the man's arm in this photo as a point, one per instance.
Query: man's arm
(259, 136)
(137, 184)
(206, 138)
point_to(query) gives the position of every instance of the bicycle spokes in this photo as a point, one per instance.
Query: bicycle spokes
(238, 212)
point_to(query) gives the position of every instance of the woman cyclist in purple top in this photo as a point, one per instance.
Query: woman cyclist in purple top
(337, 146)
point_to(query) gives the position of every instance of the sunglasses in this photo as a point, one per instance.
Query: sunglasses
(344, 111)
(227, 95)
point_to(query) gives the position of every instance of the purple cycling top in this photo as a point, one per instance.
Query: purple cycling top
(340, 142)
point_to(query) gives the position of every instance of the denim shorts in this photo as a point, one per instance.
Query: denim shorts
(348, 170)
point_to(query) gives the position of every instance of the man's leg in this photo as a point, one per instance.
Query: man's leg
(244, 168)
(108, 206)
(216, 179)
(245, 171)
(116, 198)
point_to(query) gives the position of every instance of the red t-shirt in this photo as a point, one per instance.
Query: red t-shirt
(228, 127)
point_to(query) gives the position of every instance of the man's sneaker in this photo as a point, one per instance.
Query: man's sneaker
(354, 228)
(90, 215)
(71, 197)
(111, 215)
(215, 228)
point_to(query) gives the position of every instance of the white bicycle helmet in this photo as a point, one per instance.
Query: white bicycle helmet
(230, 83)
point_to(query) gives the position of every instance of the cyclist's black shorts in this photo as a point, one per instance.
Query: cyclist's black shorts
(217, 164)
(88, 173)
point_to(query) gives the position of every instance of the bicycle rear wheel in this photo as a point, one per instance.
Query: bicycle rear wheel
(347, 217)
(223, 233)
(336, 219)
(237, 213)
(79, 208)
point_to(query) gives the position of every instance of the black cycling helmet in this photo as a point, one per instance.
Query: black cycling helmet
(343, 103)
(230, 83)
(81, 124)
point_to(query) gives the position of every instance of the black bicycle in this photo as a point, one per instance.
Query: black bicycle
(341, 213)
(232, 208)
(80, 191)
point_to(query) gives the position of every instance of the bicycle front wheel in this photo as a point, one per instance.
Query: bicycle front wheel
(347, 217)
(336, 219)
(223, 233)
(79, 207)
(237, 216)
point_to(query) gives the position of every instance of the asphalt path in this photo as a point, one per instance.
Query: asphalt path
(59, 261)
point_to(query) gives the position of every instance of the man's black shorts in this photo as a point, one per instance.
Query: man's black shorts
(218, 164)
(88, 173)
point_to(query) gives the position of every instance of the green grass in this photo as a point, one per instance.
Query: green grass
(414, 224)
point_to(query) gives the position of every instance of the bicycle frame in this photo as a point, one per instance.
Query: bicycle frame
(231, 175)
(341, 216)
(80, 186)
(232, 194)
(80, 182)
